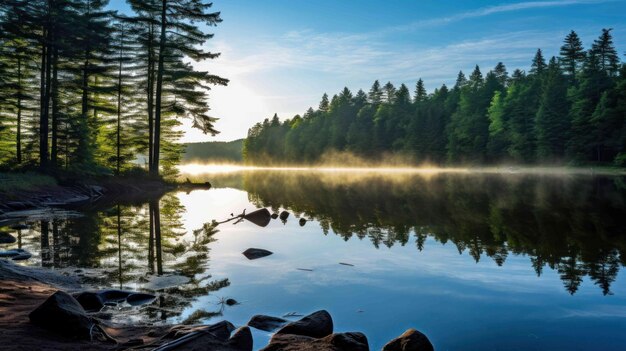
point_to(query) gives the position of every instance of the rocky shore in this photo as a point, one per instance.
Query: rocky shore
(40, 310)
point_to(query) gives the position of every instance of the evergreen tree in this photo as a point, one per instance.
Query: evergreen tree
(538, 65)
(420, 91)
(552, 127)
(605, 53)
(572, 54)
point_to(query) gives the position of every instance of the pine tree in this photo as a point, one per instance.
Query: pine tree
(551, 125)
(420, 91)
(389, 93)
(605, 53)
(538, 65)
(572, 55)
(324, 105)
(375, 95)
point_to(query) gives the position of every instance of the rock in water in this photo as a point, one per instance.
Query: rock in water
(253, 254)
(411, 340)
(91, 301)
(302, 222)
(260, 217)
(231, 302)
(6, 238)
(316, 325)
(138, 299)
(266, 323)
(274, 215)
(284, 215)
(21, 257)
(15, 254)
(61, 313)
(352, 341)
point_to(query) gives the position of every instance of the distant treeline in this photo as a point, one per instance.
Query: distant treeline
(215, 151)
(571, 109)
(86, 89)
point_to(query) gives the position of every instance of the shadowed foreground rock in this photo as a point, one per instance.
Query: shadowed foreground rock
(266, 323)
(61, 313)
(351, 341)
(316, 325)
(411, 340)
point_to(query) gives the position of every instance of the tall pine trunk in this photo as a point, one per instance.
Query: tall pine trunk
(119, 105)
(150, 95)
(18, 141)
(43, 117)
(154, 170)
(55, 109)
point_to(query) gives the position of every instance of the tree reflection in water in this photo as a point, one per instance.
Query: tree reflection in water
(127, 246)
(572, 224)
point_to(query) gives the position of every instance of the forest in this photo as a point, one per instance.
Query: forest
(87, 90)
(568, 110)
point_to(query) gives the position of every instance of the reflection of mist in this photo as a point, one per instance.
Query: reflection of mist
(570, 223)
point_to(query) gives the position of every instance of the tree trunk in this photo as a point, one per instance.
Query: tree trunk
(150, 95)
(159, 91)
(43, 116)
(119, 105)
(18, 141)
(55, 109)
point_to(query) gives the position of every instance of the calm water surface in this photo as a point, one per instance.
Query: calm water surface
(475, 261)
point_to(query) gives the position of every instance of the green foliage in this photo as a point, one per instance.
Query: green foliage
(568, 110)
(87, 89)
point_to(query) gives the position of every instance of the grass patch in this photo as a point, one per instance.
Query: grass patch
(15, 182)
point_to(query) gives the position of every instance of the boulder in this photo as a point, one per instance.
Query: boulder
(316, 325)
(21, 257)
(241, 340)
(14, 253)
(253, 254)
(266, 323)
(274, 215)
(231, 302)
(302, 222)
(138, 299)
(352, 341)
(6, 238)
(284, 215)
(61, 313)
(208, 338)
(259, 217)
(411, 340)
(91, 301)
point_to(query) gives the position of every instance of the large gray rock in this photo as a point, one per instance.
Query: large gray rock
(62, 314)
(411, 340)
(266, 323)
(316, 325)
(351, 341)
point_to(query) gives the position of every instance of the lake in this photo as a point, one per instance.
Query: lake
(498, 260)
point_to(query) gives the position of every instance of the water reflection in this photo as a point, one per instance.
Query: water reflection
(131, 246)
(572, 224)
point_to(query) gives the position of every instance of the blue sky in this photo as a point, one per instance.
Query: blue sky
(282, 55)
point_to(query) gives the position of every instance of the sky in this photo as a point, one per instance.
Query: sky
(281, 56)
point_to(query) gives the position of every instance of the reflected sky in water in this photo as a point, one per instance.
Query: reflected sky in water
(502, 262)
